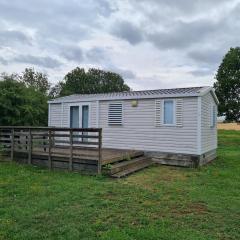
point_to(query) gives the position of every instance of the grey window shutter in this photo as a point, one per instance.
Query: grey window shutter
(179, 112)
(115, 113)
(158, 113)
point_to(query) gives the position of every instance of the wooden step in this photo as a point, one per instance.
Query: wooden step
(124, 165)
(132, 169)
(121, 156)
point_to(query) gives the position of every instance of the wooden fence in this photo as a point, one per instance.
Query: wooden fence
(76, 149)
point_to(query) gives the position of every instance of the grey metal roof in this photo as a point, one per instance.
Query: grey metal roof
(173, 92)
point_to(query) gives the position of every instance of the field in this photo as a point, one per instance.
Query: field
(158, 203)
(229, 126)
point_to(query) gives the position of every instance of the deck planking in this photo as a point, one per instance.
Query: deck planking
(108, 155)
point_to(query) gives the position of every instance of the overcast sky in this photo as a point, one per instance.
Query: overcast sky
(151, 43)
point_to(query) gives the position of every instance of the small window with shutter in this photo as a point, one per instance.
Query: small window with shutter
(169, 112)
(213, 116)
(115, 114)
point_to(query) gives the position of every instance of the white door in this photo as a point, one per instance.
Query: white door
(79, 116)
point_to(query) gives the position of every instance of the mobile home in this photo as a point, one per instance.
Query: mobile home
(173, 126)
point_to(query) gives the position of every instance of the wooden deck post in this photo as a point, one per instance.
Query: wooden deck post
(50, 149)
(30, 146)
(12, 144)
(44, 144)
(100, 151)
(71, 151)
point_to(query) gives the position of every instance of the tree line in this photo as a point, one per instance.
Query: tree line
(24, 96)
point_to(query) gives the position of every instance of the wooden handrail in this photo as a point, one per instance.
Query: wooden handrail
(27, 139)
(52, 128)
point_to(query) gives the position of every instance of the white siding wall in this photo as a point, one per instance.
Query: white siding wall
(139, 130)
(208, 133)
(54, 117)
(66, 115)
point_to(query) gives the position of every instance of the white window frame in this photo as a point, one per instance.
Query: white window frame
(80, 113)
(115, 124)
(174, 112)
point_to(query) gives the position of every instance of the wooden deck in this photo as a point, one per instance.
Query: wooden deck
(81, 160)
(66, 148)
(108, 155)
(60, 153)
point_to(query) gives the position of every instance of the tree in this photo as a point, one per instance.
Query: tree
(20, 104)
(55, 90)
(11, 93)
(227, 86)
(79, 81)
(37, 80)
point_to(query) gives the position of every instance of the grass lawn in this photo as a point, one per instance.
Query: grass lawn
(156, 203)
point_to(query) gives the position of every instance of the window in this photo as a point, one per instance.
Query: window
(168, 112)
(74, 117)
(115, 112)
(213, 116)
(85, 116)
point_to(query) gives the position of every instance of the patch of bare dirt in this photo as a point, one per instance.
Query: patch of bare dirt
(197, 208)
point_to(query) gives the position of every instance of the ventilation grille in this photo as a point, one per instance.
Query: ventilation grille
(115, 112)
(158, 110)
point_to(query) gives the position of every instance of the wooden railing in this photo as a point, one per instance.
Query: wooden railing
(73, 148)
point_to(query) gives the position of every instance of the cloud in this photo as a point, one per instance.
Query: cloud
(143, 40)
(185, 7)
(3, 61)
(125, 73)
(105, 8)
(9, 37)
(127, 31)
(46, 62)
(128, 74)
(182, 34)
(206, 56)
(96, 55)
(72, 53)
(55, 19)
(201, 72)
